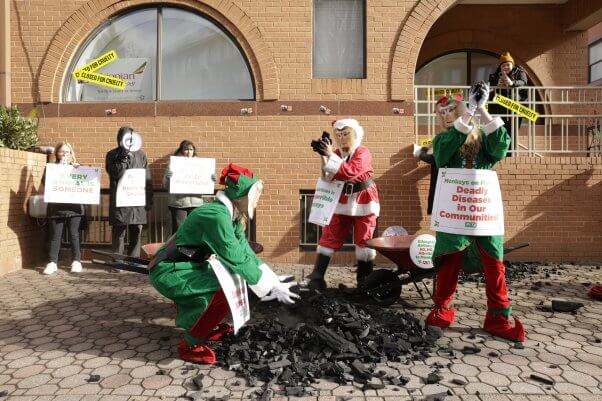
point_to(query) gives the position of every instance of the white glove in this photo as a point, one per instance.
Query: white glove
(417, 150)
(477, 96)
(282, 293)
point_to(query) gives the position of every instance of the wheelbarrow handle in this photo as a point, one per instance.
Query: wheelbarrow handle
(508, 249)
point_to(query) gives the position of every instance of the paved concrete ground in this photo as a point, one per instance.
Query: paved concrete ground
(57, 331)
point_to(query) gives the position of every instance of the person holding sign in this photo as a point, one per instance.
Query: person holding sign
(358, 206)
(128, 158)
(180, 205)
(464, 146)
(182, 269)
(508, 76)
(61, 214)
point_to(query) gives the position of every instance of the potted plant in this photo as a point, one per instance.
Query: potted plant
(17, 132)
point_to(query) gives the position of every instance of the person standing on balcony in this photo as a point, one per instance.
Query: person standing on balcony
(64, 214)
(132, 218)
(180, 205)
(358, 206)
(465, 146)
(506, 77)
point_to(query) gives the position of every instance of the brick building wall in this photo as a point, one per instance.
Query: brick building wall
(277, 39)
(20, 176)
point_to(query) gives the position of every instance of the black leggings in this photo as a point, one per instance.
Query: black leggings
(178, 216)
(56, 232)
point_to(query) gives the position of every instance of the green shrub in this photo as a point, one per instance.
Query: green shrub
(16, 131)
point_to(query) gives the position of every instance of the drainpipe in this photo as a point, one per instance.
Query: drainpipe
(5, 39)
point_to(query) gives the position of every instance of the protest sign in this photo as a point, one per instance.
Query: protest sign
(468, 201)
(235, 290)
(325, 201)
(131, 188)
(191, 175)
(68, 184)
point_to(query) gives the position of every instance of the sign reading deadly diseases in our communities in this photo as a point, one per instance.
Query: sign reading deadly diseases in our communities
(131, 188)
(191, 175)
(516, 107)
(469, 202)
(325, 201)
(235, 290)
(68, 184)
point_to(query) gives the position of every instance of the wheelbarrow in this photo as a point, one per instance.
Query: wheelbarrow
(384, 285)
(140, 265)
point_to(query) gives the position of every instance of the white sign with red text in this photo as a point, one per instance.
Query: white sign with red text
(68, 184)
(235, 290)
(131, 188)
(469, 202)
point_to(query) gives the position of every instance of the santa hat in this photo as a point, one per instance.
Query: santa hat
(351, 123)
(506, 58)
(447, 100)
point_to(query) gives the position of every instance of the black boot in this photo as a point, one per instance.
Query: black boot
(363, 270)
(316, 278)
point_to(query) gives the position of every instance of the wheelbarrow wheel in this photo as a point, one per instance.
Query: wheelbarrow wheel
(383, 286)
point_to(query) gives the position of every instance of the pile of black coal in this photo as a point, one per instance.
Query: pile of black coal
(323, 336)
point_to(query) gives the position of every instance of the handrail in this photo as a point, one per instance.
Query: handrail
(567, 121)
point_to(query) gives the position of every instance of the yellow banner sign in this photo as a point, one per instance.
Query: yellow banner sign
(87, 74)
(438, 92)
(516, 107)
(101, 79)
(426, 141)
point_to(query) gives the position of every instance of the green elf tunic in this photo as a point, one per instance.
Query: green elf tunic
(446, 151)
(211, 228)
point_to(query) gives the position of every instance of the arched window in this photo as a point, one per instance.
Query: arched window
(163, 53)
(457, 68)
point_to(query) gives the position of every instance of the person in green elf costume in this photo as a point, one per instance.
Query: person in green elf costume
(180, 270)
(463, 145)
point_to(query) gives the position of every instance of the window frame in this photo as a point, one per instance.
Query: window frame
(468, 52)
(364, 40)
(67, 79)
(589, 64)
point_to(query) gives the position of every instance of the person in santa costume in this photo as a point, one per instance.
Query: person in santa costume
(180, 270)
(358, 205)
(463, 145)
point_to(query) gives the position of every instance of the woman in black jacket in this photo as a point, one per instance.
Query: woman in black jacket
(61, 214)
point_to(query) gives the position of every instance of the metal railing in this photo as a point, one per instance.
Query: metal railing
(569, 120)
(157, 229)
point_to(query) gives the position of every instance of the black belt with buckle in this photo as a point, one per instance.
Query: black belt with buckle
(349, 188)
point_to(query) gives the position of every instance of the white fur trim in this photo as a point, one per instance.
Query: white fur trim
(325, 251)
(364, 254)
(221, 196)
(460, 126)
(351, 123)
(430, 151)
(333, 164)
(352, 208)
(266, 282)
(492, 125)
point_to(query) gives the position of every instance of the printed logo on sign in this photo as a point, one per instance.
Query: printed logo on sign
(470, 224)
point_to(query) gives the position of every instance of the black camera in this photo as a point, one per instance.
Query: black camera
(317, 144)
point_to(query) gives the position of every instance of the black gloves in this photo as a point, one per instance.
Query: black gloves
(318, 144)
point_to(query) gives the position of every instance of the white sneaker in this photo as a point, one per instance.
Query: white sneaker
(76, 267)
(51, 267)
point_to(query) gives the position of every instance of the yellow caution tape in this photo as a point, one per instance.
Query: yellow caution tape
(516, 107)
(97, 63)
(102, 80)
(442, 92)
(425, 142)
(87, 74)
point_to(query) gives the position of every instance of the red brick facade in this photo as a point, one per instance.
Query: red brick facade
(276, 37)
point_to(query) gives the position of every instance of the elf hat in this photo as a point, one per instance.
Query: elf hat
(506, 58)
(239, 182)
(351, 123)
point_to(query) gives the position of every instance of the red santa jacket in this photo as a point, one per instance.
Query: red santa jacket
(355, 167)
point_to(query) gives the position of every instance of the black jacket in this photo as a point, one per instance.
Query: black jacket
(519, 78)
(116, 162)
(430, 159)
